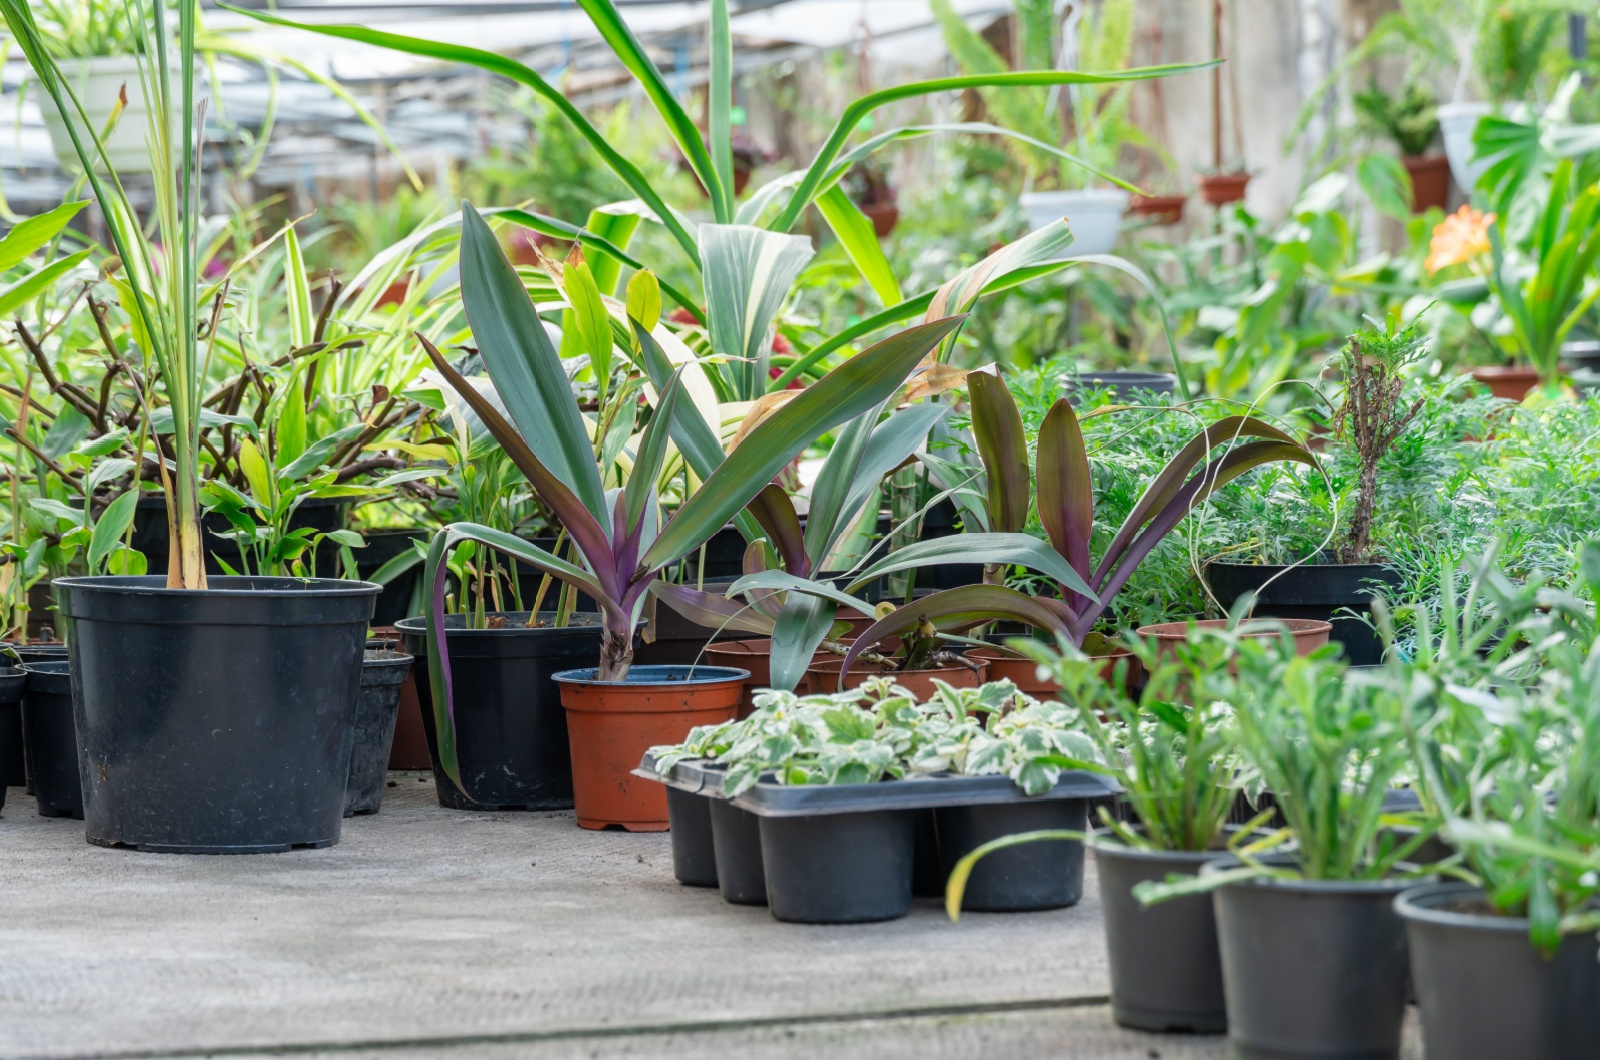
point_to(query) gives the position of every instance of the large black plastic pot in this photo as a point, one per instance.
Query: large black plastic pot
(694, 859)
(845, 868)
(1033, 876)
(377, 707)
(52, 739)
(396, 600)
(511, 731)
(1166, 974)
(1311, 968)
(1318, 591)
(736, 839)
(215, 720)
(1484, 993)
(13, 772)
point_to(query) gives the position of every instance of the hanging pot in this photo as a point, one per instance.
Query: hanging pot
(1457, 122)
(1095, 215)
(1220, 189)
(1430, 181)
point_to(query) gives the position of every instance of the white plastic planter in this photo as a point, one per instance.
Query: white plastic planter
(1456, 123)
(97, 82)
(1095, 216)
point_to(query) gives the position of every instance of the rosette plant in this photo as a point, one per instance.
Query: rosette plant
(622, 546)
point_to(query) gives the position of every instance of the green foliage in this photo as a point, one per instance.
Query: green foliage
(1407, 118)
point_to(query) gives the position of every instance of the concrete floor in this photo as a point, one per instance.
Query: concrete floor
(432, 933)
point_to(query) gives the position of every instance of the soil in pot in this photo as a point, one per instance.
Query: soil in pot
(1511, 382)
(1034, 876)
(843, 868)
(13, 773)
(1309, 635)
(1311, 968)
(694, 860)
(511, 733)
(215, 720)
(1320, 592)
(611, 724)
(736, 838)
(377, 706)
(52, 739)
(1484, 992)
(1166, 972)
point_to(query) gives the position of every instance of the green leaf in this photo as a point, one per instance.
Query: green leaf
(747, 273)
(29, 235)
(644, 299)
(985, 548)
(256, 473)
(956, 886)
(108, 531)
(297, 292)
(796, 635)
(592, 321)
(317, 453)
(616, 227)
(860, 241)
(1386, 184)
(720, 104)
(1003, 446)
(37, 282)
(291, 436)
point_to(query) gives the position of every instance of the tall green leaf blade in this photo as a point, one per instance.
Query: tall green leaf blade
(108, 531)
(860, 241)
(953, 609)
(893, 442)
(831, 489)
(297, 291)
(37, 282)
(775, 512)
(1066, 486)
(984, 548)
(796, 636)
(27, 236)
(1003, 447)
(524, 365)
(616, 227)
(748, 273)
(720, 106)
(844, 393)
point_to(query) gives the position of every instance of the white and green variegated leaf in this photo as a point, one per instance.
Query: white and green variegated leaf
(748, 273)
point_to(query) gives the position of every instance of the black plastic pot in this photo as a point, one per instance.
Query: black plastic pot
(1311, 968)
(1484, 993)
(377, 707)
(846, 868)
(1045, 875)
(927, 874)
(943, 520)
(1582, 354)
(511, 731)
(396, 600)
(1318, 591)
(13, 773)
(1122, 385)
(38, 653)
(320, 514)
(1166, 974)
(736, 837)
(215, 720)
(694, 859)
(51, 739)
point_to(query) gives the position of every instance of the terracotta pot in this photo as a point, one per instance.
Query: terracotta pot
(410, 747)
(1002, 665)
(611, 724)
(824, 677)
(1309, 634)
(1219, 189)
(883, 215)
(1430, 181)
(1161, 209)
(395, 293)
(1512, 382)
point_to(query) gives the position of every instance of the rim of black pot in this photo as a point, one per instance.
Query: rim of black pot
(385, 657)
(223, 585)
(1316, 562)
(417, 625)
(1097, 380)
(1411, 904)
(53, 666)
(1387, 885)
(1106, 839)
(656, 674)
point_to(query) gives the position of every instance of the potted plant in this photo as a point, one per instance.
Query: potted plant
(1313, 954)
(1337, 586)
(1410, 120)
(168, 764)
(614, 714)
(1085, 193)
(1225, 187)
(1171, 749)
(1505, 958)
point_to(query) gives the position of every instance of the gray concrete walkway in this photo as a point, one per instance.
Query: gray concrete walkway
(432, 933)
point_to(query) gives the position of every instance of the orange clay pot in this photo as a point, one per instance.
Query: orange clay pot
(1507, 381)
(1002, 665)
(823, 677)
(610, 725)
(1309, 634)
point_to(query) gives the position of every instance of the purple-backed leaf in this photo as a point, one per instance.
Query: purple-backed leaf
(1216, 474)
(580, 524)
(775, 512)
(984, 548)
(1003, 447)
(711, 609)
(756, 555)
(652, 453)
(1167, 484)
(1066, 489)
(955, 610)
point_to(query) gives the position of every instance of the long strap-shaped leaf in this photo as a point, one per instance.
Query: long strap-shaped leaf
(1065, 489)
(1003, 447)
(955, 609)
(1167, 484)
(633, 56)
(582, 525)
(747, 273)
(592, 241)
(831, 490)
(846, 392)
(522, 75)
(850, 119)
(892, 443)
(775, 512)
(711, 609)
(433, 590)
(984, 548)
(523, 363)
(796, 636)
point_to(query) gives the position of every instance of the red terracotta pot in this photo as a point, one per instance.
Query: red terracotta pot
(410, 747)
(611, 724)
(1309, 634)
(823, 677)
(1002, 665)
(1430, 181)
(1512, 382)
(883, 215)
(1162, 209)
(1219, 189)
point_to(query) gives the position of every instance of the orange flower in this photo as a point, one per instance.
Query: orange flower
(1460, 239)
